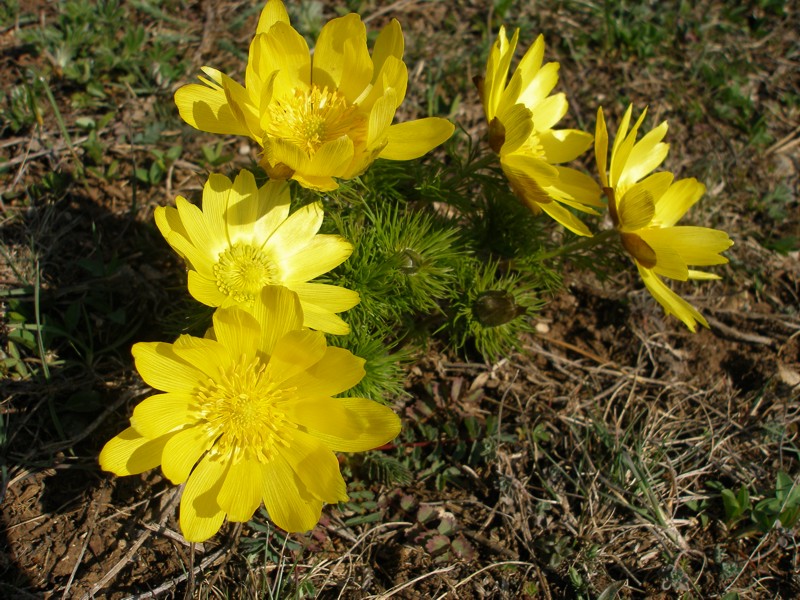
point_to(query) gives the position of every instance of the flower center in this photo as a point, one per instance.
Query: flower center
(310, 118)
(240, 411)
(242, 270)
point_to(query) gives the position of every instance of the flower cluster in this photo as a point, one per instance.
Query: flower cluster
(251, 413)
(317, 120)
(521, 114)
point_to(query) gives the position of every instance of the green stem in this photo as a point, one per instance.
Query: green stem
(582, 244)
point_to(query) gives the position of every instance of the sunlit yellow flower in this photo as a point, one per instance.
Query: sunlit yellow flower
(316, 119)
(249, 417)
(244, 238)
(644, 209)
(521, 116)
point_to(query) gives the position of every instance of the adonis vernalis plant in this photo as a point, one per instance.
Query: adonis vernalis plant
(244, 238)
(644, 209)
(319, 119)
(521, 114)
(249, 416)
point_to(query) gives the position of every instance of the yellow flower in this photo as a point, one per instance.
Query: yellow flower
(316, 120)
(644, 209)
(521, 117)
(249, 417)
(244, 238)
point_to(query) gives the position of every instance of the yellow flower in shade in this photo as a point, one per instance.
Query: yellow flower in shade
(319, 119)
(244, 238)
(644, 208)
(521, 114)
(249, 417)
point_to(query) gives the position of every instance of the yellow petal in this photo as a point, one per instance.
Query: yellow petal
(242, 213)
(575, 189)
(601, 147)
(130, 453)
(182, 452)
(273, 12)
(207, 109)
(169, 223)
(645, 156)
(412, 139)
(346, 424)
(200, 516)
(295, 352)
(316, 466)
(637, 206)
(702, 275)
(564, 145)
(163, 413)
(215, 203)
(678, 199)
(322, 319)
(284, 50)
(205, 290)
(277, 311)
(543, 82)
(295, 233)
(289, 508)
(194, 222)
(320, 254)
(237, 331)
(331, 159)
(566, 218)
(517, 126)
(330, 50)
(389, 43)
(380, 119)
(274, 199)
(696, 245)
(164, 370)
(331, 297)
(209, 356)
(672, 303)
(500, 56)
(240, 494)
(337, 371)
(622, 145)
(196, 258)
(549, 112)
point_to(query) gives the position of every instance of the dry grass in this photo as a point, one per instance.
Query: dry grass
(600, 452)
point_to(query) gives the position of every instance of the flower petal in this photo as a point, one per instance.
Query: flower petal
(130, 453)
(182, 452)
(601, 147)
(200, 516)
(324, 320)
(564, 145)
(296, 232)
(337, 371)
(678, 199)
(207, 109)
(240, 494)
(346, 424)
(277, 311)
(289, 506)
(162, 414)
(389, 43)
(316, 466)
(210, 356)
(242, 212)
(566, 218)
(237, 330)
(205, 290)
(295, 352)
(672, 303)
(329, 297)
(273, 12)
(317, 256)
(412, 139)
(164, 370)
(696, 245)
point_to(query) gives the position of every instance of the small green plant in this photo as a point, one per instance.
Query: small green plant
(781, 506)
(159, 164)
